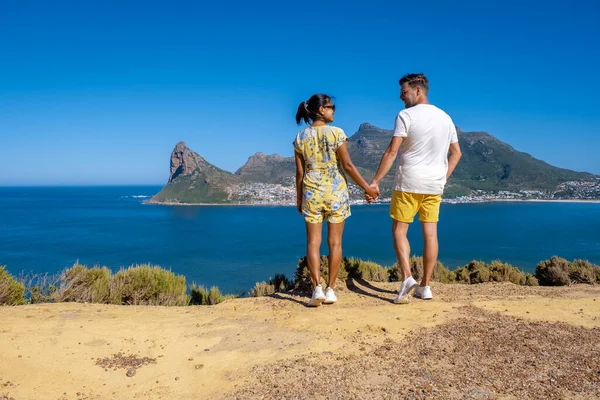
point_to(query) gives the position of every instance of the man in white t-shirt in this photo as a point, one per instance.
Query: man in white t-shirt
(424, 135)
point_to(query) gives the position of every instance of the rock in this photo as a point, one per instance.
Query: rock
(130, 372)
(182, 161)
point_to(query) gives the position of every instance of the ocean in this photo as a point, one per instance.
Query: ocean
(47, 229)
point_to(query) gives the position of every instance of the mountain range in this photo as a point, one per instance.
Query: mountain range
(488, 165)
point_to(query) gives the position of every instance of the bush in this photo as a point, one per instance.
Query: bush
(279, 283)
(582, 271)
(12, 292)
(215, 296)
(262, 289)
(440, 272)
(82, 284)
(480, 272)
(504, 272)
(531, 280)
(553, 272)
(302, 281)
(366, 270)
(443, 274)
(148, 285)
(40, 288)
(462, 274)
(198, 295)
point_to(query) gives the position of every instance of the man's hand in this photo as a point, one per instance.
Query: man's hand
(372, 193)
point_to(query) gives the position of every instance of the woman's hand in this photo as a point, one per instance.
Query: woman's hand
(372, 193)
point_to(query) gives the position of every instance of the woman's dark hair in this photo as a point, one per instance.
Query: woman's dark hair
(309, 110)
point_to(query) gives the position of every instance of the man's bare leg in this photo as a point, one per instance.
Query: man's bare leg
(402, 246)
(430, 250)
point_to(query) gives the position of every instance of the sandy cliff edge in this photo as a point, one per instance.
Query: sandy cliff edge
(274, 347)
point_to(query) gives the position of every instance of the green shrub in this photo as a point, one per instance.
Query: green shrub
(262, 289)
(12, 292)
(582, 271)
(367, 270)
(82, 284)
(478, 272)
(443, 274)
(553, 272)
(198, 295)
(504, 272)
(531, 280)
(440, 272)
(462, 274)
(597, 272)
(148, 285)
(215, 296)
(280, 283)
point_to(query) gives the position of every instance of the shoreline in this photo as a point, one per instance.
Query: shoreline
(444, 201)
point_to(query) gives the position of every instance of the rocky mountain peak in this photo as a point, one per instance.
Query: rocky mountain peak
(183, 161)
(366, 127)
(260, 160)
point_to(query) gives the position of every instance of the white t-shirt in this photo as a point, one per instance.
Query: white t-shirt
(423, 161)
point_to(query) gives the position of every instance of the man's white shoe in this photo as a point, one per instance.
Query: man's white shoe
(317, 297)
(424, 293)
(329, 296)
(408, 287)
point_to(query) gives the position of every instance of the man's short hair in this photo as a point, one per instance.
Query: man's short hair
(415, 80)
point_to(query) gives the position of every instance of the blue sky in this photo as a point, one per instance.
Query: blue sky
(99, 92)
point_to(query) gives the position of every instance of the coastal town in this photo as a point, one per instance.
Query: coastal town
(278, 194)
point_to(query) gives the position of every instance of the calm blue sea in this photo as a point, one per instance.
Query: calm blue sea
(48, 229)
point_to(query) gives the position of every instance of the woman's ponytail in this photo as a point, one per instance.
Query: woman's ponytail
(302, 113)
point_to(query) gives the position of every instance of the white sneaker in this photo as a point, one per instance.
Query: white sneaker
(329, 296)
(317, 297)
(408, 287)
(424, 293)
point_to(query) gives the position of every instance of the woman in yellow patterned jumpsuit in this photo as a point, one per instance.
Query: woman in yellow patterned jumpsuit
(322, 193)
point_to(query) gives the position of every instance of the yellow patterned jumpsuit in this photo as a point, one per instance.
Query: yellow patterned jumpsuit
(324, 187)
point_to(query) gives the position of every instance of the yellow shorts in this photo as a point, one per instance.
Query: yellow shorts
(404, 206)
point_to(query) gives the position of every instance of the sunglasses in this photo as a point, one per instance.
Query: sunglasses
(332, 106)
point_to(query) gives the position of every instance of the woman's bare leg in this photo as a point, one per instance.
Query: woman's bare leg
(334, 240)
(313, 251)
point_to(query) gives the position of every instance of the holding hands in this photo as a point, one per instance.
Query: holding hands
(372, 193)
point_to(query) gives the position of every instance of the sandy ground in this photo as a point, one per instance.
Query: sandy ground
(488, 341)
